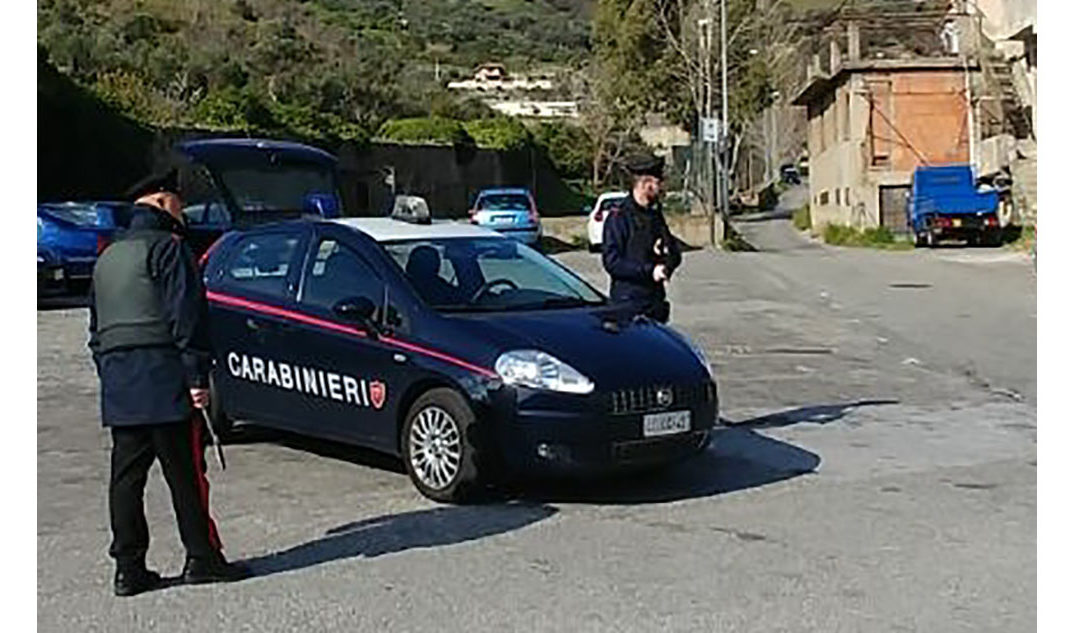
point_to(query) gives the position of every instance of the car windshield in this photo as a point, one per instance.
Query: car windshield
(294, 187)
(488, 275)
(504, 202)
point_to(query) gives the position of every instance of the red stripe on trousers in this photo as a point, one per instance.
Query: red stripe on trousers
(200, 479)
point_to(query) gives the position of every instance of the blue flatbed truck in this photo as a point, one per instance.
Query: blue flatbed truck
(947, 204)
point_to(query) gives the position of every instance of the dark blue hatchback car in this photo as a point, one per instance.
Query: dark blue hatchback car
(464, 352)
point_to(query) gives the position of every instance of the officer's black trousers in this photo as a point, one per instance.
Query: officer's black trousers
(179, 449)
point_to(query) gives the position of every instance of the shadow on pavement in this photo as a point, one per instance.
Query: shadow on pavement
(444, 525)
(737, 459)
(63, 302)
(350, 453)
(764, 216)
(817, 414)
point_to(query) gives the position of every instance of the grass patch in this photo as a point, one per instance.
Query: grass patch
(801, 218)
(876, 237)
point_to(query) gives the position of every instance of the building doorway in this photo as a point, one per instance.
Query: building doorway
(892, 201)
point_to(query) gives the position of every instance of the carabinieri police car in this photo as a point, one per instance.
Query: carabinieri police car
(466, 353)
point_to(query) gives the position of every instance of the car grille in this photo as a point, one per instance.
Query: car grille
(646, 399)
(657, 449)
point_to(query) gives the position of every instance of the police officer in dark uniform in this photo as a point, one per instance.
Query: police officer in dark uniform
(149, 338)
(639, 251)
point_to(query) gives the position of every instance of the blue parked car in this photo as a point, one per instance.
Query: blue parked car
(510, 211)
(72, 234)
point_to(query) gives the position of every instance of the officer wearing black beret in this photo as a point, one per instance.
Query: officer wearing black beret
(639, 252)
(150, 343)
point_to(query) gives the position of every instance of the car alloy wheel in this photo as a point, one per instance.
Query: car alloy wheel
(435, 448)
(440, 447)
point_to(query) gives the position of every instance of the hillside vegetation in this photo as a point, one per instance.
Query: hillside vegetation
(338, 68)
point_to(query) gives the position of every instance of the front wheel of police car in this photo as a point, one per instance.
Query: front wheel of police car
(439, 452)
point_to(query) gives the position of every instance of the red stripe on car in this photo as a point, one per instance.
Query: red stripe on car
(264, 308)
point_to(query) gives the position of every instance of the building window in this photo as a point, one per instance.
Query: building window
(881, 132)
(847, 196)
(823, 198)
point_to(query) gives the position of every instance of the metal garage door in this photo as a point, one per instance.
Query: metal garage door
(892, 201)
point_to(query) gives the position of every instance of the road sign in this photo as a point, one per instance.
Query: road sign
(710, 129)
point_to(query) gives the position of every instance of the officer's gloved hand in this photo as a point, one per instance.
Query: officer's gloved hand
(659, 273)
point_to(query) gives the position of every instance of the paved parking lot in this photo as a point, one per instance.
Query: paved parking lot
(874, 470)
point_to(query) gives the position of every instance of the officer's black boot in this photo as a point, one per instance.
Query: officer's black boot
(214, 569)
(130, 581)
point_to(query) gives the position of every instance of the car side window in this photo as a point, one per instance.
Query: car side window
(262, 264)
(335, 273)
(432, 270)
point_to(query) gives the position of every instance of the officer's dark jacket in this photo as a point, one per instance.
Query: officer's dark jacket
(148, 323)
(630, 235)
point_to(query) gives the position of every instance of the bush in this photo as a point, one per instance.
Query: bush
(424, 130)
(568, 147)
(499, 133)
(801, 218)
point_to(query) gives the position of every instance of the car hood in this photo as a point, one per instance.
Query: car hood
(625, 351)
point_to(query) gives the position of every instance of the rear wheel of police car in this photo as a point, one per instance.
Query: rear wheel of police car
(439, 448)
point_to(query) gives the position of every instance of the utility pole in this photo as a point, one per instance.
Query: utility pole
(724, 126)
(708, 148)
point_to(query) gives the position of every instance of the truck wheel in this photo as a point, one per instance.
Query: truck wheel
(930, 241)
(439, 447)
(920, 239)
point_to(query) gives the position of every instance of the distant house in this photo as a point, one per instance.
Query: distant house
(870, 123)
(490, 72)
(493, 77)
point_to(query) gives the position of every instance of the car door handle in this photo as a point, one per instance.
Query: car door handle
(254, 325)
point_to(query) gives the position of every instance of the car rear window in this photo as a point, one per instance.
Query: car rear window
(504, 202)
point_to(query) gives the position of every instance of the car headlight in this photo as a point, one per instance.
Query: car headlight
(539, 370)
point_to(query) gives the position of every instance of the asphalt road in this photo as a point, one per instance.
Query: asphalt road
(876, 472)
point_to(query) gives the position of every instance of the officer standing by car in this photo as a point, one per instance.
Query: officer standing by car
(639, 252)
(149, 338)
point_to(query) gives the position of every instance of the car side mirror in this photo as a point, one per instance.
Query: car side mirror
(358, 310)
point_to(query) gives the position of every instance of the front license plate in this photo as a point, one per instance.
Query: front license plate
(957, 222)
(666, 423)
(58, 274)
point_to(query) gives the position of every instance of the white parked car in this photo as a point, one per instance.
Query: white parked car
(604, 205)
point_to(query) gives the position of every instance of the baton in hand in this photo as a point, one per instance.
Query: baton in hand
(214, 438)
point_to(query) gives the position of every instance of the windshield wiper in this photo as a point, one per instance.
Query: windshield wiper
(557, 302)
